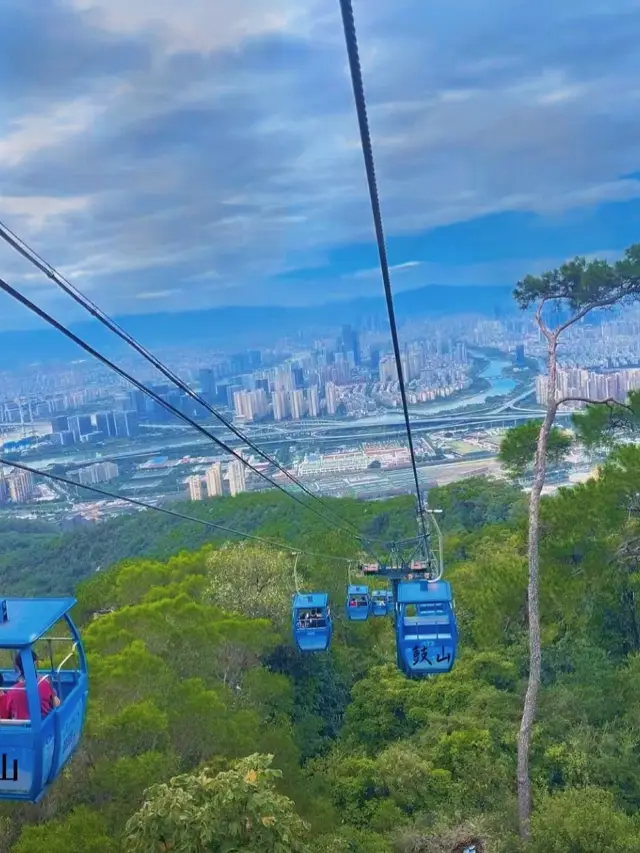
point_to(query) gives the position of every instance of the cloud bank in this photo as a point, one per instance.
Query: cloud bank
(206, 153)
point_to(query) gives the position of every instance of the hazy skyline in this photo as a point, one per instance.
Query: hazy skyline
(171, 156)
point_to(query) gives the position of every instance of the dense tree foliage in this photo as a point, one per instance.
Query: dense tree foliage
(518, 448)
(207, 731)
(35, 555)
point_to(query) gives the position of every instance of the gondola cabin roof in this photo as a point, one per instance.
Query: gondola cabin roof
(313, 599)
(27, 619)
(357, 590)
(423, 592)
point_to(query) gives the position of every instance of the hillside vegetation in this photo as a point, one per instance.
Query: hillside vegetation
(207, 731)
(35, 557)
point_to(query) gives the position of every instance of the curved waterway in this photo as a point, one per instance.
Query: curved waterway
(499, 386)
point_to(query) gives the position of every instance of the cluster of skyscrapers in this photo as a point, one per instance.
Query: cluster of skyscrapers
(101, 472)
(577, 382)
(289, 391)
(17, 486)
(41, 406)
(88, 429)
(214, 483)
(294, 404)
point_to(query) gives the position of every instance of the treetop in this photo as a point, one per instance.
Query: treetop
(583, 283)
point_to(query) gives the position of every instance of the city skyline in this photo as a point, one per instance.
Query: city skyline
(327, 408)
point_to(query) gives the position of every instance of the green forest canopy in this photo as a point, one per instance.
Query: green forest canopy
(196, 689)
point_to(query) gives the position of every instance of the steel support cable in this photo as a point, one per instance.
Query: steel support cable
(142, 387)
(349, 26)
(64, 284)
(135, 502)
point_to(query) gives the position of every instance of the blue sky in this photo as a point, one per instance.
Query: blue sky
(185, 155)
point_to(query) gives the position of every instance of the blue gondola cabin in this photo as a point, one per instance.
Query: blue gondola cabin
(43, 699)
(380, 602)
(312, 625)
(426, 629)
(358, 603)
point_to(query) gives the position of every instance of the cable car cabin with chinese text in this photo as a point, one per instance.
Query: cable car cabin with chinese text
(44, 694)
(381, 600)
(358, 603)
(311, 621)
(427, 641)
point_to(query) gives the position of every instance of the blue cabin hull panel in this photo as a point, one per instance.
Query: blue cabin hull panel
(357, 614)
(30, 762)
(312, 642)
(427, 643)
(427, 657)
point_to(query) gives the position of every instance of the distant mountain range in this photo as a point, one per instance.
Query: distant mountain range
(251, 326)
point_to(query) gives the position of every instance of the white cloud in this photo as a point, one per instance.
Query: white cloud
(35, 211)
(217, 143)
(30, 134)
(157, 294)
(200, 26)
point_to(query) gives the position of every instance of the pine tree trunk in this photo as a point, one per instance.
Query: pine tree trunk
(535, 655)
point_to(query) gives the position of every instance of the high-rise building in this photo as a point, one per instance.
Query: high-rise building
(236, 476)
(374, 359)
(239, 363)
(349, 342)
(207, 384)
(137, 402)
(126, 424)
(4, 489)
(101, 472)
(259, 402)
(242, 405)
(222, 392)
(297, 375)
(64, 439)
(255, 359)
(313, 401)
(231, 390)
(106, 423)
(297, 404)
(280, 405)
(60, 423)
(80, 425)
(282, 380)
(195, 488)
(213, 478)
(331, 395)
(520, 360)
(387, 369)
(21, 485)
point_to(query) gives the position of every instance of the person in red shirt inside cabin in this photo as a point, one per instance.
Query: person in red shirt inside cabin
(17, 703)
(4, 713)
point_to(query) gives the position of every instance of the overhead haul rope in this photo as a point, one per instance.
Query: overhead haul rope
(295, 572)
(140, 385)
(351, 39)
(135, 502)
(34, 258)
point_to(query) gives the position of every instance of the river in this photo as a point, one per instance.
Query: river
(499, 386)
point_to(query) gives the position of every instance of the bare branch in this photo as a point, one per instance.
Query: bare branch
(610, 402)
(541, 324)
(584, 311)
